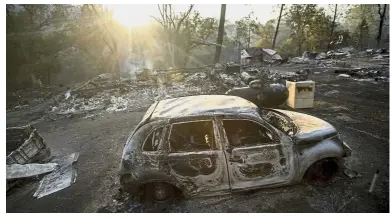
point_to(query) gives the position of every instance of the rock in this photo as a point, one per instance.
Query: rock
(121, 107)
(298, 60)
(256, 84)
(369, 51)
(349, 49)
(344, 75)
(321, 55)
(309, 55)
(246, 77)
(378, 57)
(351, 173)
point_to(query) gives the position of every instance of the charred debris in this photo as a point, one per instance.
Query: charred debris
(30, 159)
(261, 74)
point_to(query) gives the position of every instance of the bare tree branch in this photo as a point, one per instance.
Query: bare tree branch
(185, 16)
(379, 8)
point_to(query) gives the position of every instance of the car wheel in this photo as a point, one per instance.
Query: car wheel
(159, 195)
(322, 172)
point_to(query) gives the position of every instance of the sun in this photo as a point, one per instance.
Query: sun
(133, 15)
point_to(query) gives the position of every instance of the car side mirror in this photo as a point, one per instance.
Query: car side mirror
(229, 150)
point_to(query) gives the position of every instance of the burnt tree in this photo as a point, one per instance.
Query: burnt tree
(278, 25)
(220, 34)
(333, 26)
(382, 16)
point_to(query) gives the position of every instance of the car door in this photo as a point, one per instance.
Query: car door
(195, 157)
(254, 153)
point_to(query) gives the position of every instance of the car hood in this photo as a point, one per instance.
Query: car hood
(309, 128)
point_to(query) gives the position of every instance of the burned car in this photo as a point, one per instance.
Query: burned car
(215, 144)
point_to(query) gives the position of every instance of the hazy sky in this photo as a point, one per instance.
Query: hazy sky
(139, 14)
(135, 15)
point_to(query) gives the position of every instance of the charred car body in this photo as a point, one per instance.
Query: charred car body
(214, 144)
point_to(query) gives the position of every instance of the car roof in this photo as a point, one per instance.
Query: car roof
(202, 105)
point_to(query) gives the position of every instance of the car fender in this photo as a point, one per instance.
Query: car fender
(329, 148)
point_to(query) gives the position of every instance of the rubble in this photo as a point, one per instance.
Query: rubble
(309, 55)
(105, 94)
(369, 51)
(382, 51)
(16, 171)
(364, 74)
(344, 75)
(110, 93)
(378, 57)
(246, 77)
(255, 84)
(25, 145)
(232, 68)
(61, 178)
(255, 55)
(321, 55)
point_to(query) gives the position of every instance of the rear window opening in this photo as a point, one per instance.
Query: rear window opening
(153, 140)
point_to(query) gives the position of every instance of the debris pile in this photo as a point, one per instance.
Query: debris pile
(25, 145)
(28, 156)
(365, 74)
(24, 99)
(113, 95)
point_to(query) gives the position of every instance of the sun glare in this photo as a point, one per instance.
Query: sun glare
(132, 15)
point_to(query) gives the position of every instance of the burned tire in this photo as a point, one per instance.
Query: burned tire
(159, 196)
(322, 172)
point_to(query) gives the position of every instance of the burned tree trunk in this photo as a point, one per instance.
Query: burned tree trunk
(278, 25)
(382, 16)
(220, 34)
(333, 26)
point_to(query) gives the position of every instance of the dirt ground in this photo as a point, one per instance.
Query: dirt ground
(359, 110)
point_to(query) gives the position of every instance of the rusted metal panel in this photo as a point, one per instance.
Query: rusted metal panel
(32, 144)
